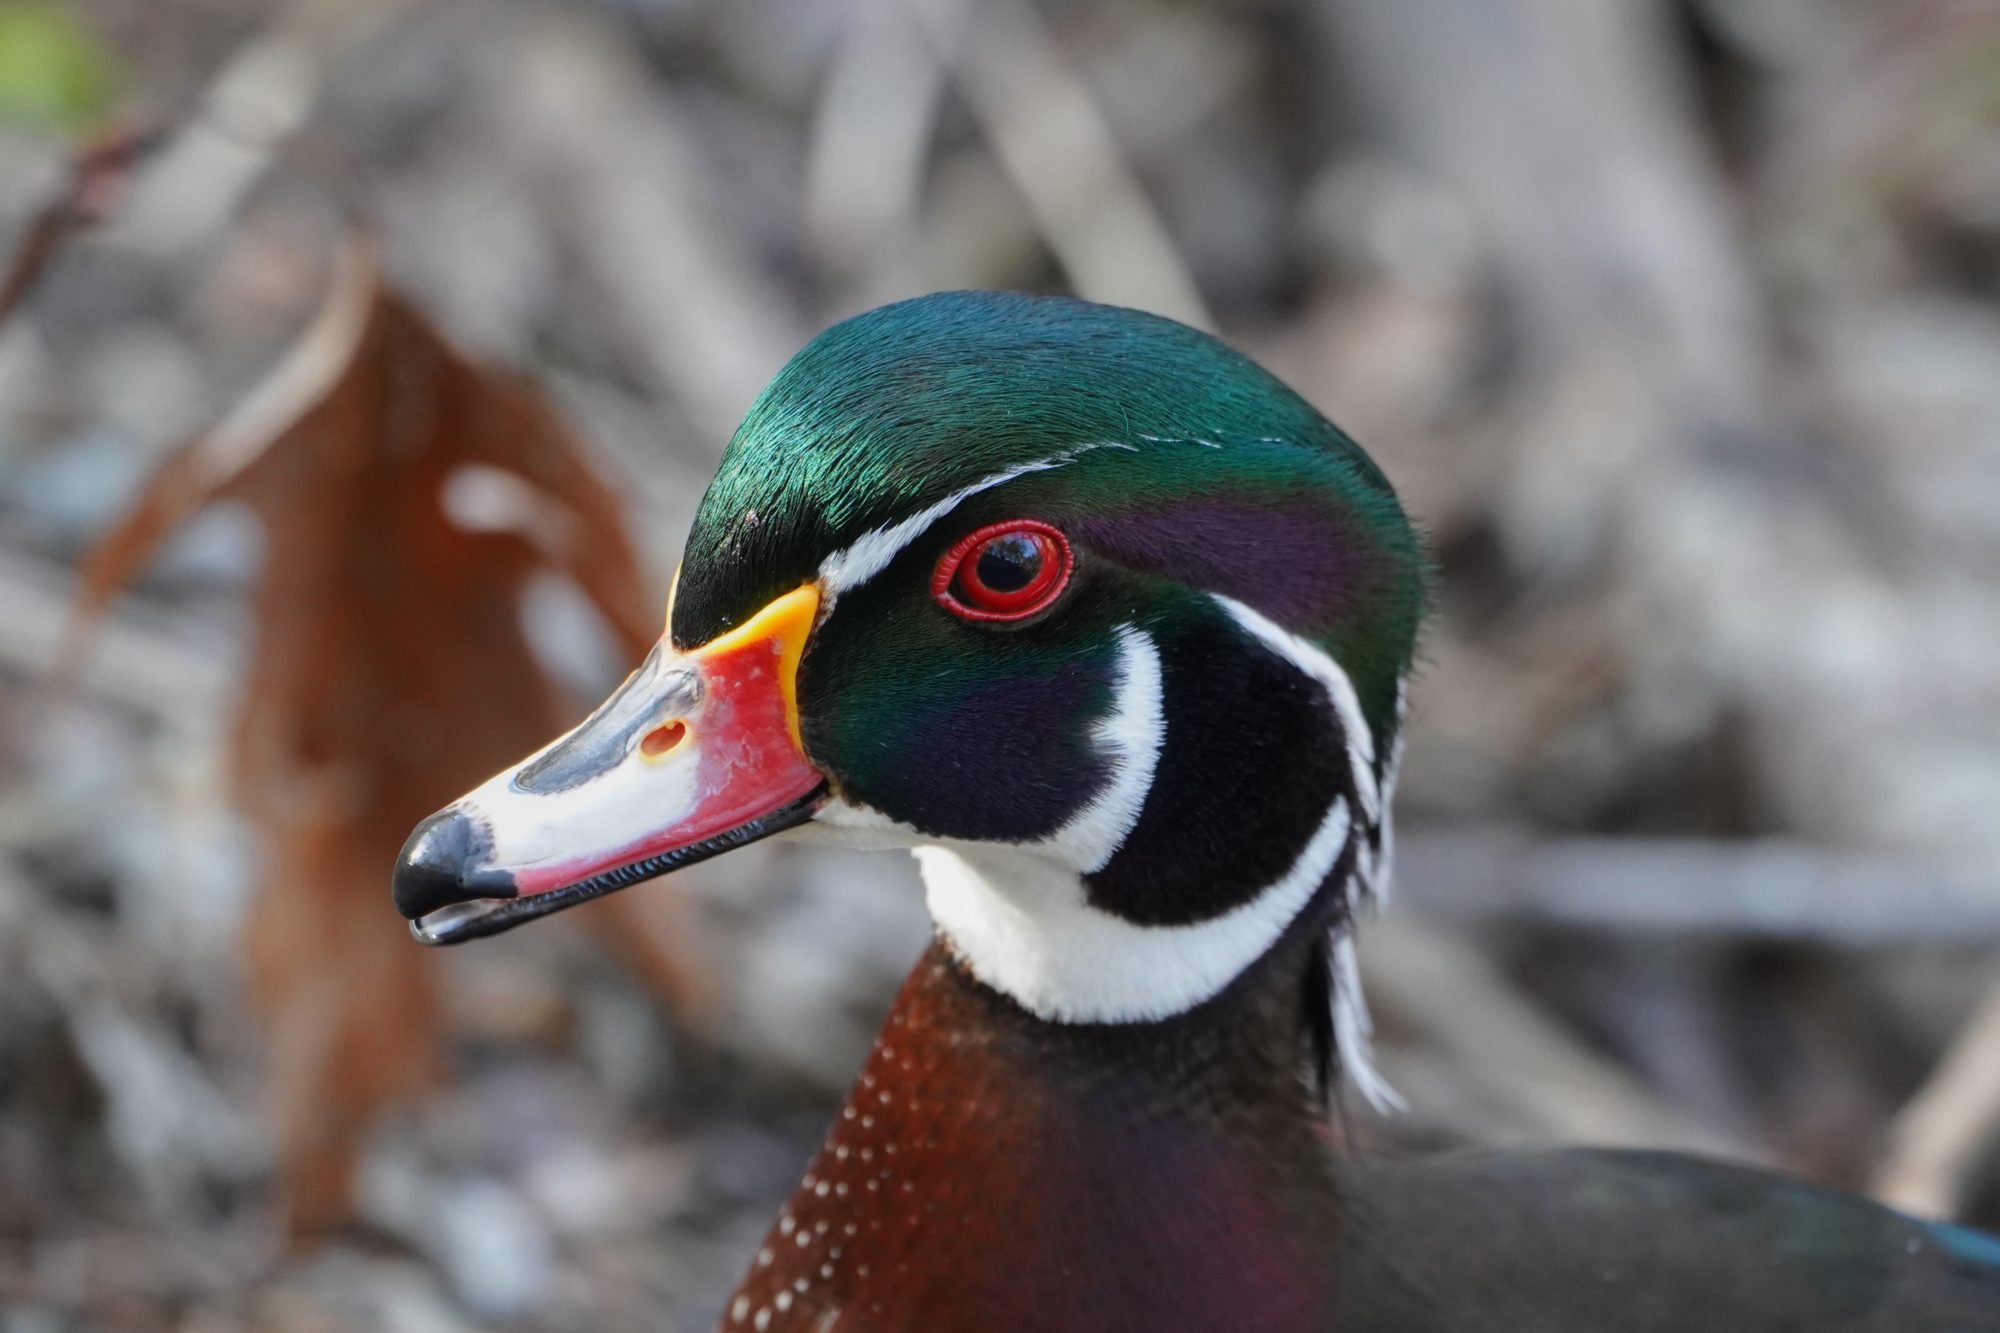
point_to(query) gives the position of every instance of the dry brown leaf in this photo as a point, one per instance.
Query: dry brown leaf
(391, 672)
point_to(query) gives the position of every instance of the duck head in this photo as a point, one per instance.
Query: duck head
(1088, 609)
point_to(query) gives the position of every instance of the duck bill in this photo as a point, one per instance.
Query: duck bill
(694, 754)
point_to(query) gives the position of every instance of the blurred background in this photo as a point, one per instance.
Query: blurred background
(361, 363)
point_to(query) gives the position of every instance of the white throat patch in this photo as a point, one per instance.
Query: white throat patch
(1023, 925)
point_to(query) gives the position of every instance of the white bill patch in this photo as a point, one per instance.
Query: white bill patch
(605, 814)
(605, 797)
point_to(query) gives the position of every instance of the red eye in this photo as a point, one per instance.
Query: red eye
(1006, 571)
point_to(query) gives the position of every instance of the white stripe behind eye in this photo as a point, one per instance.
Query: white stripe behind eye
(870, 554)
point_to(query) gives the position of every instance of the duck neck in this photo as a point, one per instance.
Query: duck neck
(992, 1169)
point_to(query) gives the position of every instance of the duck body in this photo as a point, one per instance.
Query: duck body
(987, 1174)
(1578, 1241)
(1001, 1181)
(1111, 628)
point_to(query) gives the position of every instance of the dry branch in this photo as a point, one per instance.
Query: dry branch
(159, 667)
(1769, 889)
(1937, 1139)
(1053, 140)
(1427, 981)
(95, 180)
(634, 194)
(871, 133)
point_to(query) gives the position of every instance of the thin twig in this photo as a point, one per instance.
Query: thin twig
(871, 135)
(1426, 980)
(95, 180)
(145, 662)
(1767, 888)
(1937, 1138)
(1055, 143)
(635, 194)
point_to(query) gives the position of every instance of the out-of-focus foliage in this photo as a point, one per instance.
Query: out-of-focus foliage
(54, 70)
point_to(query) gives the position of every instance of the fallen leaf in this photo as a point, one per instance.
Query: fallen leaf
(407, 498)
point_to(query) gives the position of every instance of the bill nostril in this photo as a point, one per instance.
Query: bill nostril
(662, 739)
(438, 866)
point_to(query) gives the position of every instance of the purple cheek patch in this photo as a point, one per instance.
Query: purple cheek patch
(1007, 761)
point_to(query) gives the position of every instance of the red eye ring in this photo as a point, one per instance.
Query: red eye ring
(959, 588)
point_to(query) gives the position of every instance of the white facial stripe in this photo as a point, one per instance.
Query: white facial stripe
(858, 826)
(1023, 925)
(1129, 739)
(870, 553)
(1313, 660)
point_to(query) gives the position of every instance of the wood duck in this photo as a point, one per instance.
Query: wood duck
(1111, 627)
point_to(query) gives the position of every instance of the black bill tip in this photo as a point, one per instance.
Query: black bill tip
(481, 910)
(439, 867)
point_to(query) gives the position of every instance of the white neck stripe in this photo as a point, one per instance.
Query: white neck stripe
(1313, 660)
(1378, 882)
(1354, 1029)
(1369, 883)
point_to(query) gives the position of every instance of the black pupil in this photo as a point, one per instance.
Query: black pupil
(1009, 563)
